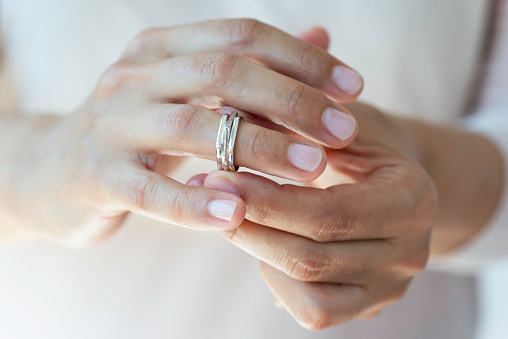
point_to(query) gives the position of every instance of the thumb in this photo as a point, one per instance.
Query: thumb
(317, 36)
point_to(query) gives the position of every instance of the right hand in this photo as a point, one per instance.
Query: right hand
(97, 164)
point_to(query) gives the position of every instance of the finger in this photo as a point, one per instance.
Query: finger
(197, 181)
(141, 191)
(315, 306)
(241, 83)
(345, 212)
(317, 36)
(192, 130)
(347, 262)
(273, 48)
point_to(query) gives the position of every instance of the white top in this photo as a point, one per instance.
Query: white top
(153, 280)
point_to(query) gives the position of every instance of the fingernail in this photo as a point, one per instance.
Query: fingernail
(222, 209)
(347, 80)
(340, 124)
(304, 157)
(222, 185)
(197, 183)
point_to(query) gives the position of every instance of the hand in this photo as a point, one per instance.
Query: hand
(347, 251)
(94, 166)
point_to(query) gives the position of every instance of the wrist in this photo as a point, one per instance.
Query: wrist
(466, 169)
(20, 156)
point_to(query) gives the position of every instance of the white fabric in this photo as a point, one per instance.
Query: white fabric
(156, 281)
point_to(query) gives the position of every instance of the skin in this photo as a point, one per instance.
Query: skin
(83, 173)
(349, 246)
(328, 255)
(347, 251)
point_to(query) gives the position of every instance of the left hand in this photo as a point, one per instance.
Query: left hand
(347, 251)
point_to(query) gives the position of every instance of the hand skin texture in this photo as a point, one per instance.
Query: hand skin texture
(349, 249)
(74, 179)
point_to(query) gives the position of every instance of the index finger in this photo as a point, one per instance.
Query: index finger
(258, 41)
(345, 212)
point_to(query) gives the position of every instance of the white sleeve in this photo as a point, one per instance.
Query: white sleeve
(491, 245)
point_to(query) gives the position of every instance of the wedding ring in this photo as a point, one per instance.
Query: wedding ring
(226, 134)
(231, 144)
(218, 143)
(225, 142)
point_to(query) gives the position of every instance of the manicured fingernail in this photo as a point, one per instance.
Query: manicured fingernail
(304, 157)
(347, 80)
(222, 185)
(340, 124)
(222, 209)
(197, 183)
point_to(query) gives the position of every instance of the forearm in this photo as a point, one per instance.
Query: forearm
(21, 143)
(467, 171)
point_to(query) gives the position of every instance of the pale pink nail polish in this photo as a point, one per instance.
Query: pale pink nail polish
(222, 209)
(340, 124)
(347, 80)
(305, 157)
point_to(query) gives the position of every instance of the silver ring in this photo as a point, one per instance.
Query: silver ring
(218, 143)
(226, 135)
(231, 144)
(226, 139)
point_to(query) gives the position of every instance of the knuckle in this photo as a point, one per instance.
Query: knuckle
(143, 190)
(315, 316)
(242, 33)
(140, 42)
(311, 265)
(220, 70)
(422, 206)
(297, 103)
(261, 212)
(180, 123)
(115, 78)
(334, 227)
(308, 61)
(255, 145)
(180, 204)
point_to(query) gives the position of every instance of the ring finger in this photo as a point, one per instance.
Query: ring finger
(179, 129)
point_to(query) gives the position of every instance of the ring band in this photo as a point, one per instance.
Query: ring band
(226, 134)
(225, 143)
(231, 144)
(218, 143)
